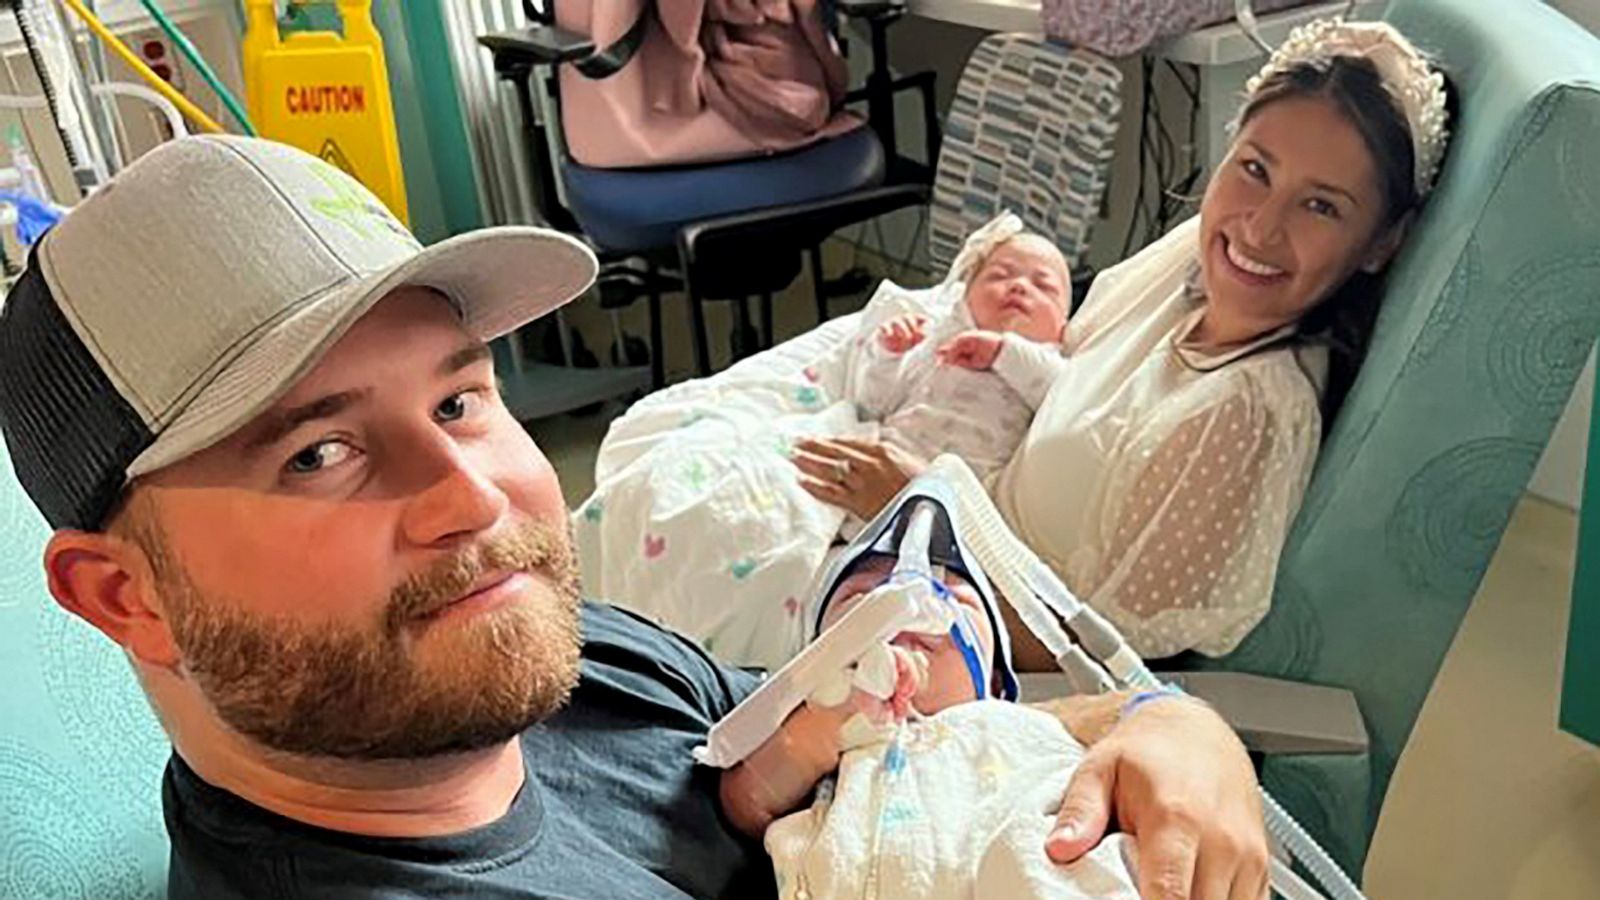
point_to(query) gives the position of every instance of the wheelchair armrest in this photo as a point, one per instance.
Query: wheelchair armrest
(799, 224)
(871, 9)
(539, 45)
(1270, 715)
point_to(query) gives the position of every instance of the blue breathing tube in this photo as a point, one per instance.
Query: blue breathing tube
(961, 635)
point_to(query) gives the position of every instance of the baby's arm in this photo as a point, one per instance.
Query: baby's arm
(974, 349)
(878, 382)
(775, 779)
(1029, 367)
(903, 332)
(781, 773)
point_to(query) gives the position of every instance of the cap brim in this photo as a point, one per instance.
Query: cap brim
(497, 278)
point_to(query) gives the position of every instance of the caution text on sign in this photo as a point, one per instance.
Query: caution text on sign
(322, 99)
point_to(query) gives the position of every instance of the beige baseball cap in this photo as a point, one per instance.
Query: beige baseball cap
(190, 293)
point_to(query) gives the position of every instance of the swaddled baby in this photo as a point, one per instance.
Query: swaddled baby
(968, 379)
(954, 802)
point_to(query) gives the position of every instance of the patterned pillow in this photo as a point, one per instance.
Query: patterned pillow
(1031, 130)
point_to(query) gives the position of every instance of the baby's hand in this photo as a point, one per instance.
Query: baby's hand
(873, 695)
(902, 332)
(975, 350)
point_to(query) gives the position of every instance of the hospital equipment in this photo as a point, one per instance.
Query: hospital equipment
(890, 609)
(195, 113)
(189, 51)
(25, 194)
(911, 599)
(972, 534)
(62, 84)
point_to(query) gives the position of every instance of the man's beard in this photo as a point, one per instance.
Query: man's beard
(365, 693)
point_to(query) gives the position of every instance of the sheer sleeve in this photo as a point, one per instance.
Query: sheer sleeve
(1196, 510)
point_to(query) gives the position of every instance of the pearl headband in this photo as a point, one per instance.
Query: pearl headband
(1405, 73)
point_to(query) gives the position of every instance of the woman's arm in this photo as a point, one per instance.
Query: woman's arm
(1197, 510)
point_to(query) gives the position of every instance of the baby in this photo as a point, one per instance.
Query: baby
(955, 801)
(968, 381)
(719, 456)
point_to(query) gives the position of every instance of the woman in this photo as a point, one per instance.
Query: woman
(1161, 475)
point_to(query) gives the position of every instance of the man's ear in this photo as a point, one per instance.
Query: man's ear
(107, 581)
(1387, 245)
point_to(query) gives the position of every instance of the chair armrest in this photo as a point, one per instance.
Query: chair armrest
(538, 45)
(799, 224)
(871, 9)
(1270, 715)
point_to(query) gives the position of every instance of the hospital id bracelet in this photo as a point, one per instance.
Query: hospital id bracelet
(1143, 697)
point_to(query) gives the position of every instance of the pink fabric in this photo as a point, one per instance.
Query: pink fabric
(1125, 27)
(715, 79)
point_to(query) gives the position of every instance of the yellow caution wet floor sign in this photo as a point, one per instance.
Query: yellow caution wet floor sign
(327, 95)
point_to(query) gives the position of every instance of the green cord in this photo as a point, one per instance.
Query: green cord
(193, 55)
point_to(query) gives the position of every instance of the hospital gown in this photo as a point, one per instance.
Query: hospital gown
(958, 807)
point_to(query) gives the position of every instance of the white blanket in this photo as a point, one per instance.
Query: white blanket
(698, 520)
(958, 808)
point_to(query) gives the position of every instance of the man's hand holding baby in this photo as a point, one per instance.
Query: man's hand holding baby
(976, 350)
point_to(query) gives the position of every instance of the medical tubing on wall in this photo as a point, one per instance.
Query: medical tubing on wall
(140, 92)
(140, 68)
(110, 88)
(1002, 555)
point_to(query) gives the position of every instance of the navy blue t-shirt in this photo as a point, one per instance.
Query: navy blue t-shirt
(613, 806)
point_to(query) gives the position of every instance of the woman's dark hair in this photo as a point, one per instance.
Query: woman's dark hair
(1343, 321)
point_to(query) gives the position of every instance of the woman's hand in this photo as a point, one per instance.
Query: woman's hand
(975, 350)
(1180, 784)
(859, 476)
(902, 332)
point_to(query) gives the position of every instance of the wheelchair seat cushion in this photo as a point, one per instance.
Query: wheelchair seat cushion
(642, 209)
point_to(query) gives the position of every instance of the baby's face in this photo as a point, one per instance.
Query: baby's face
(949, 683)
(1022, 287)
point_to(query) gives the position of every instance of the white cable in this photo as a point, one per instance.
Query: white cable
(140, 92)
(23, 101)
(913, 556)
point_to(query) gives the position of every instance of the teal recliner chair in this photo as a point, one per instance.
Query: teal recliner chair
(1487, 320)
(81, 753)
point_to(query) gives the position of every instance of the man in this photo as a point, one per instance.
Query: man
(263, 421)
